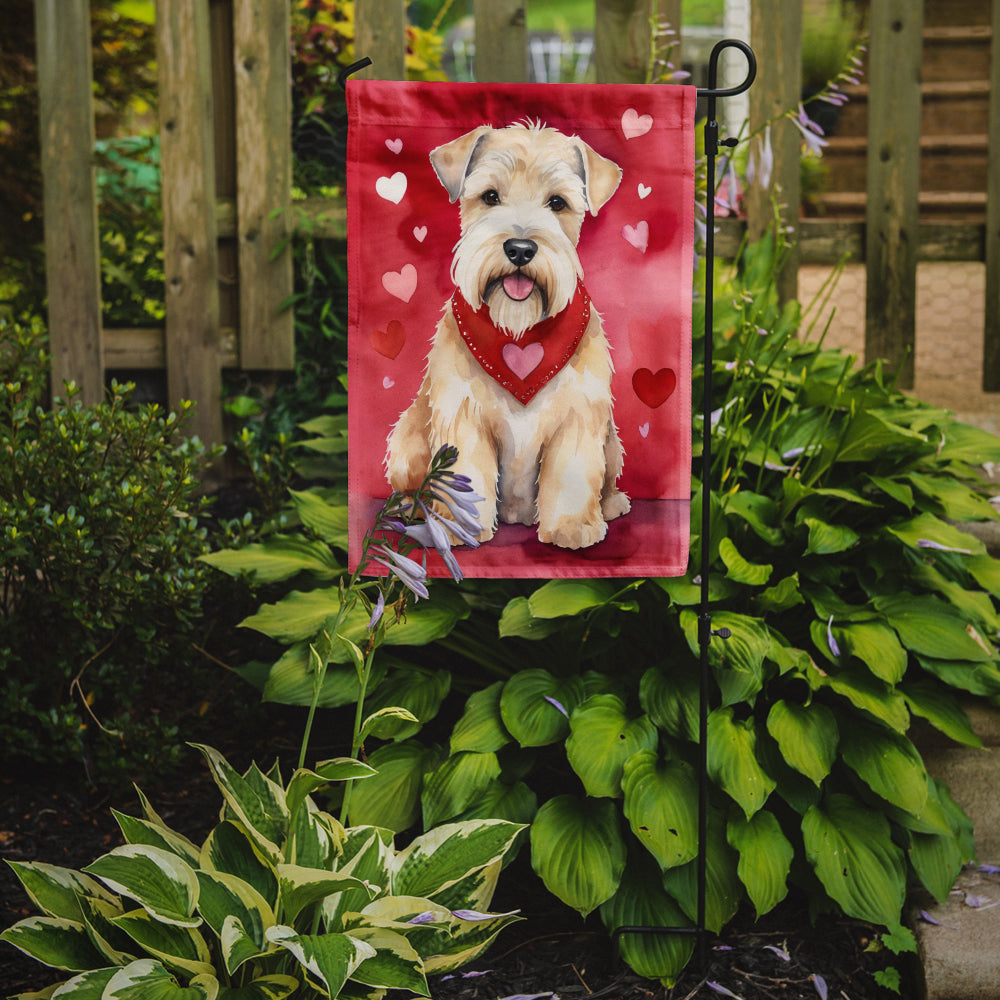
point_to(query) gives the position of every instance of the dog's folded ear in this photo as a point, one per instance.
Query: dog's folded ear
(601, 176)
(453, 161)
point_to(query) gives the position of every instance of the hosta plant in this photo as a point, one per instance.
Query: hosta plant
(279, 899)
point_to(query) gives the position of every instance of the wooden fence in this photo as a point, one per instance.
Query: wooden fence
(226, 159)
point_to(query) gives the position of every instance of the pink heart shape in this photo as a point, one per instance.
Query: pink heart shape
(637, 235)
(402, 284)
(644, 429)
(394, 145)
(634, 124)
(522, 361)
(420, 233)
(388, 383)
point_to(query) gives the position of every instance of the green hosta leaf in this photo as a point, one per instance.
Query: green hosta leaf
(684, 593)
(783, 595)
(932, 628)
(177, 947)
(888, 763)
(865, 692)
(142, 831)
(723, 889)
(274, 987)
(732, 760)
(850, 848)
(331, 959)
(807, 736)
(327, 520)
(226, 898)
(418, 691)
(481, 728)
(559, 598)
(965, 443)
(385, 723)
(671, 699)
(516, 803)
(56, 891)
(301, 887)
(975, 605)
(739, 569)
(456, 784)
(937, 859)
(869, 436)
(765, 858)
(986, 571)
(577, 850)
(928, 528)
(54, 941)
(976, 678)
(828, 539)
(940, 708)
(279, 558)
(894, 489)
(291, 680)
(535, 706)
(602, 738)
(163, 884)
(438, 859)
(517, 620)
(738, 661)
(760, 512)
(391, 798)
(957, 501)
(661, 806)
(395, 964)
(147, 979)
(231, 850)
(641, 901)
(876, 646)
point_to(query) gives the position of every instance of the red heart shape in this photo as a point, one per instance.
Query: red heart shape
(389, 342)
(654, 390)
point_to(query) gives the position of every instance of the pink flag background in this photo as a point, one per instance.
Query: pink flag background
(637, 256)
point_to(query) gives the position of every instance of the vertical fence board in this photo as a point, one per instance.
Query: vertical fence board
(776, 35)
(991, 332)
(380, 34)
(621, 40)
(261, 57)
(501, 41)
(72, 257)
(190, 254)
(893, 184)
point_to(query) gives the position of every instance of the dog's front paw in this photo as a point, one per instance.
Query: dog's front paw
(615, 504)
(572, 533)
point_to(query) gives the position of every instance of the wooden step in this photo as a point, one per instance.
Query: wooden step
(956, 53)
(960, 206)
(945, 12)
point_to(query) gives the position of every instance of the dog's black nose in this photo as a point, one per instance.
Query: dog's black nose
(519, 252)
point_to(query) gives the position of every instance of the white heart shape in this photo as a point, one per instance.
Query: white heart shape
(634, 124)
(420, 233)
(644, 429)
(402, 284)
(637, 235)
(394, 145)
(388, 383)
(522, 361)
(644, 191)
(392, 188)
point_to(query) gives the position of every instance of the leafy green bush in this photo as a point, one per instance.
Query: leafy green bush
(99, 546)
(279, 899)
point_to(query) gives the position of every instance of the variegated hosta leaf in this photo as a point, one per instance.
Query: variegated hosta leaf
(177, 947)
(56, 891)
(86, 986)
(851, 849)
(441, 857)
(273, 987)
(535, 706)
(315, 838)
(475, 891)
(304, 782)
(147, 979)
(456, 784)
(765, 858)
(301, 887)
(641, 901)
(481, 728)
(578, 851)
(661, 805)
(602, 737)
(807, 736)
(256, 801)
(230, 849)
(367, 853)
(141, 831)
(329, 959)
(54, 941)
(395, 965)
(732, 760)
(158, 880)
(116, 947)
(224, 898)
(466, 940)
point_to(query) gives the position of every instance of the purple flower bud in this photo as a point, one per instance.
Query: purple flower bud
(558, 705)
(834, 648)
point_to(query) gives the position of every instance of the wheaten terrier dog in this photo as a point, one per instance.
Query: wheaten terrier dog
(519, 373)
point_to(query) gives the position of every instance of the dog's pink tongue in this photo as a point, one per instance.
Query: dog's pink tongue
(518, 286)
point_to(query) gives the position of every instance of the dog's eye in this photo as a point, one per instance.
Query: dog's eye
(557, 203)
(491, 197)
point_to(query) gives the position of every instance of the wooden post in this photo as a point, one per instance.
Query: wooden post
(622, 40)
(190, 254)
(991, 333)
(776, 35)
(501, 41)
(892, 215)
(262, 60)
(380, 34)
(72, 256)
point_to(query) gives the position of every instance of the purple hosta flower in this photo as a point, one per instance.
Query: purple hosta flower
(990, 869)
(531, 996)
(377, 612)
(427, 917)
(410, 573)
(719, 988)
(461, 502)
(430, 534)
(465, 975)
(760, 165)
(729, 200)
(782, 953)
(820, 984)
(812, 134)
(558, 705)
(475, 915)
(834, 648)
(928, 543)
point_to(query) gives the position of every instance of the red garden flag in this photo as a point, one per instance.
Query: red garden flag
(520, 263)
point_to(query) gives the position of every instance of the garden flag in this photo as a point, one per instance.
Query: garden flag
(520, 262)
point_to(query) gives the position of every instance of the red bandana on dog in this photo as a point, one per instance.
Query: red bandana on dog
(522, 365)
